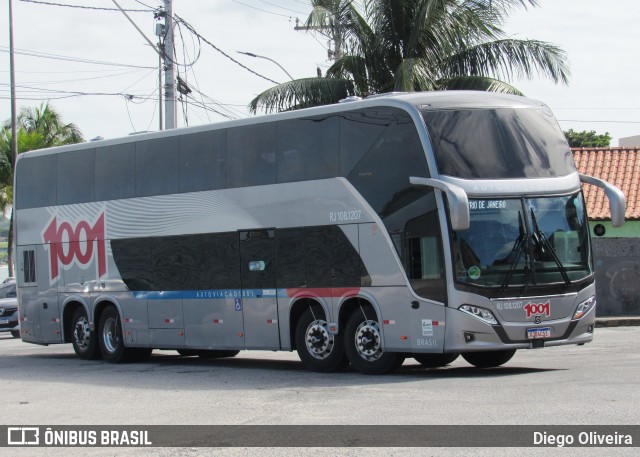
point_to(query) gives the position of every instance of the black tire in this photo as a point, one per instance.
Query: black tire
(488, 359)
(15, 333)
(318, 349)
(363, 344)
(84, 340)
(111, 339)
(435, 360)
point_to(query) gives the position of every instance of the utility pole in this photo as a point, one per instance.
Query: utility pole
(14, 131)
(334, 34)
(165, 51)
(12, 70)
(169, 75)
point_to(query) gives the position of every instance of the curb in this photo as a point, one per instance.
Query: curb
(617, 321)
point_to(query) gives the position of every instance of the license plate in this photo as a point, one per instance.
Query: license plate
(538, 333)
(4, 321)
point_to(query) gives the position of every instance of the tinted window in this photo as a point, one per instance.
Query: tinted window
(115, 172)
(36, 182)
(251, 155)
(332, 261)
(359, 131)
(498, 143)
(157, 165)
(308, 149)
(189, 262)
(423, 258)
(290, 258)
(76, 176)
(257, 259)
(133, 257)
(382, 175)
(203, 160)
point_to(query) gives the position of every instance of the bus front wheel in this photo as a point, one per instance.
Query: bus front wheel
(318, 349)
(435, 360)
(363, 344)
(488, 359)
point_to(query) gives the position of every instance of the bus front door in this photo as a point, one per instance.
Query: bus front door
(259, 300)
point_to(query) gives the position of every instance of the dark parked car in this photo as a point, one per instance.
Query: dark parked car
(8, 290)
(9, 316)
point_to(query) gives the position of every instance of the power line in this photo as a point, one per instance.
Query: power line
(62, 81)
(68, 58)
(82, 6)
(603, 122)
(282, 7)
(260, 9)
(192, 30)
(54, 91)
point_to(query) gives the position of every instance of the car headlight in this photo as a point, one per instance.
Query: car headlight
(584, 307)
(480, 313)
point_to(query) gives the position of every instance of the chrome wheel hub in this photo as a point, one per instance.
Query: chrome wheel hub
(82, 334)
(368, 341)
(319, 341)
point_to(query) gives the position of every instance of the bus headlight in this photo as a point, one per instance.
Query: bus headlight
(584, 307)
(480, 313)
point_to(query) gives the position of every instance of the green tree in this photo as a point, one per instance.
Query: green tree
(37, 128)
(416, 45)
(587, 139)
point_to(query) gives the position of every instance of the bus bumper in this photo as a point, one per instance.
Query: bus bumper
(465, 333)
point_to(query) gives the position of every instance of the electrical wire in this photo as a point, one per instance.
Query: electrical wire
(192, 30)
(82, 6)
(282, 7)
(45, 55)
(260, 9)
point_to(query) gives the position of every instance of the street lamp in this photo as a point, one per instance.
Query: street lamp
(251, 54)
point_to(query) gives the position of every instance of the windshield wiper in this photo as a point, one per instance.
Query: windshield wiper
(542, 242)
(519, 248)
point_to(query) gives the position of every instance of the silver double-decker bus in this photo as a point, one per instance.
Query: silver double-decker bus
(424, 225)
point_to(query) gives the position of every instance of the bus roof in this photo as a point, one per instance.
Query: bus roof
(436, 100)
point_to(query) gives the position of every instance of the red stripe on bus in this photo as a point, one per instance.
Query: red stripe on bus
(323, 292)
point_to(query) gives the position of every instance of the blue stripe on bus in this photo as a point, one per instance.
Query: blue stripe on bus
(209, 294)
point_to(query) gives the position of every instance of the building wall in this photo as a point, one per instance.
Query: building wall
(617, 265)
(629, 141)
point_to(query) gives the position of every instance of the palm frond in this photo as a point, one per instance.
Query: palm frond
(302, 93)
(509, 59)
(477, 83)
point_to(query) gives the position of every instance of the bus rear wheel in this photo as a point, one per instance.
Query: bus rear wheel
(83, 339)
(363, 344)
(488, 359)
(111, 340)
(318, 349)
(435, 360)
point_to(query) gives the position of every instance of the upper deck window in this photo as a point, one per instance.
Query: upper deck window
(498, 143)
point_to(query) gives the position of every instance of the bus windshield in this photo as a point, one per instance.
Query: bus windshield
(523, 242)
(499, 143)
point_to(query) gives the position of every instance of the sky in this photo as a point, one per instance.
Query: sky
(119, 94)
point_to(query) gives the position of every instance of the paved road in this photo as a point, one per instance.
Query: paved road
(593, 384)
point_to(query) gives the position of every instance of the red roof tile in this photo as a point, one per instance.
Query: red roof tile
(620, 167)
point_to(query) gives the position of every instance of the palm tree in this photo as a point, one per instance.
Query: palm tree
(417, 45)
(37, 128)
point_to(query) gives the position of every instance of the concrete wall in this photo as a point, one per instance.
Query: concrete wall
(617, 264)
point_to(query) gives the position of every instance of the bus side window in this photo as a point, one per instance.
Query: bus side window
(423, 244)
